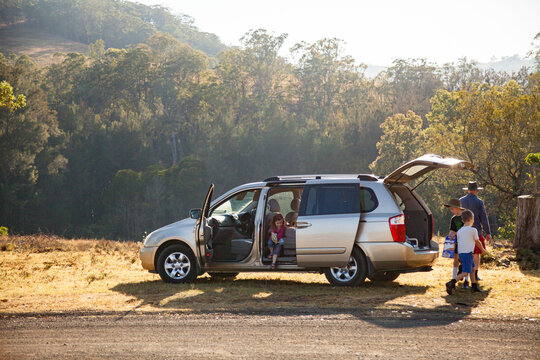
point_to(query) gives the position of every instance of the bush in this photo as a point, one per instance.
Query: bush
(508, 228)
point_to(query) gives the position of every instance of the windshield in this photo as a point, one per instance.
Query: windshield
(238, 203)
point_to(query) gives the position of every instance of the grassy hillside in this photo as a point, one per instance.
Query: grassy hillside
(119, 24)
(50, 274)
(24, 39)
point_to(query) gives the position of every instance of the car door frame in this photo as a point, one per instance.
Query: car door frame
(204, 250)
(256, 220)
(252, 261)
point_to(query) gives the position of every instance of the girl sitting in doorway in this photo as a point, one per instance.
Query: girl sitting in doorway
(275, 241)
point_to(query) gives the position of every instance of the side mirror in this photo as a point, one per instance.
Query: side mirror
(195, 213)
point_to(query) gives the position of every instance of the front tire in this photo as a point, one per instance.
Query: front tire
(353, 274)
(176, 264)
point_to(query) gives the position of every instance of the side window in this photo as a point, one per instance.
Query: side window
(330, 199)
(368, 200)
(283, 198)
(238, 203)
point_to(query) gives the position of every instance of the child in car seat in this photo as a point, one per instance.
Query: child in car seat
(275, 241)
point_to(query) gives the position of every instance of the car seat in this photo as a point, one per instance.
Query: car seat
(291, 217)
(273, 209)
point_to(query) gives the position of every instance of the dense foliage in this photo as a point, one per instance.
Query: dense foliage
(8, 100)
(124, 140)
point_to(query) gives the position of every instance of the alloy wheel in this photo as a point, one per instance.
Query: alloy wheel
(346, 273)
(177, 265)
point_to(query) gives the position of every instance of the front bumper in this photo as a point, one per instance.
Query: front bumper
(147, 255)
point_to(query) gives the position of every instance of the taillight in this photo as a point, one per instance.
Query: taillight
(397, 227)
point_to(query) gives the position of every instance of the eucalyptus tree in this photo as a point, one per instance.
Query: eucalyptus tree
(24, 135)
(174, 94)
(402, 140)
(494, 127)
(409, 85)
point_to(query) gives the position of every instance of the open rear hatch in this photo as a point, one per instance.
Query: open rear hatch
(417, 217)
(421, 166)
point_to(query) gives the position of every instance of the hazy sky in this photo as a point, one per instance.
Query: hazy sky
(378, 31)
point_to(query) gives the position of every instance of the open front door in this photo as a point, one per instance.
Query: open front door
(421, 166)
(203, 231)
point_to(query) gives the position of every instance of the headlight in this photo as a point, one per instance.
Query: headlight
(147, 238)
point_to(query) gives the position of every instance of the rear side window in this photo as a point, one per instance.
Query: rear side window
(368, 200)
(284, 199)
(337, 199)
(330, 199)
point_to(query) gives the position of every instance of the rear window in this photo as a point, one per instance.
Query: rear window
(284, 199)
(337, 199)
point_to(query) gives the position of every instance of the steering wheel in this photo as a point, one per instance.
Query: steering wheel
(213, 223)
(244, 223)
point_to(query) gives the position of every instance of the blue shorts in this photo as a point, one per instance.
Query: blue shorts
(277, 247)
(467, 262)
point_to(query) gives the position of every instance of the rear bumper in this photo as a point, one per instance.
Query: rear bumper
(147, 257)
(387, 256)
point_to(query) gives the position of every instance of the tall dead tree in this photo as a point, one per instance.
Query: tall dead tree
(528, 223)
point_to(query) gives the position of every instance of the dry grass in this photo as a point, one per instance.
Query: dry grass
(48, 274)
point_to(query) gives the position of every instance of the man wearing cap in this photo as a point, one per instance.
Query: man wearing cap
(473, 203)
(456, 223)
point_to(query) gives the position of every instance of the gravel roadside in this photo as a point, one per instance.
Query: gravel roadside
(270, 335)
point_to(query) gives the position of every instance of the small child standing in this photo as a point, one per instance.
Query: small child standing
(467, 237)
(456, 223)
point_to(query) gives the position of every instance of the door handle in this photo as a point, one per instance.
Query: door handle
(302, 224)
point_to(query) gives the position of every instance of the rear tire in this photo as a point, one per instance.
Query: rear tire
(385, 276)
(176, 264)
(223, 276)
(353, 274)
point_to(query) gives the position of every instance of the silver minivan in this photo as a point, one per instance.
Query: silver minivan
(348, 226)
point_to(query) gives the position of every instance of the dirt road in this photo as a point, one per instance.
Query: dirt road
(273, 335)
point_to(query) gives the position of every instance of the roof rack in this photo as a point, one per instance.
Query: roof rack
(283, 182)
(304, 178)
(367, 177)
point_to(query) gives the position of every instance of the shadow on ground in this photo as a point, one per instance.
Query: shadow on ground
(529, 261)
(287, 297)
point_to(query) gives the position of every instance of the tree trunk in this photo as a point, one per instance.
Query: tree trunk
(174, 152)
(528, 223)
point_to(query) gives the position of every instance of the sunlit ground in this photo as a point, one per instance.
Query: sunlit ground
(54, 275)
